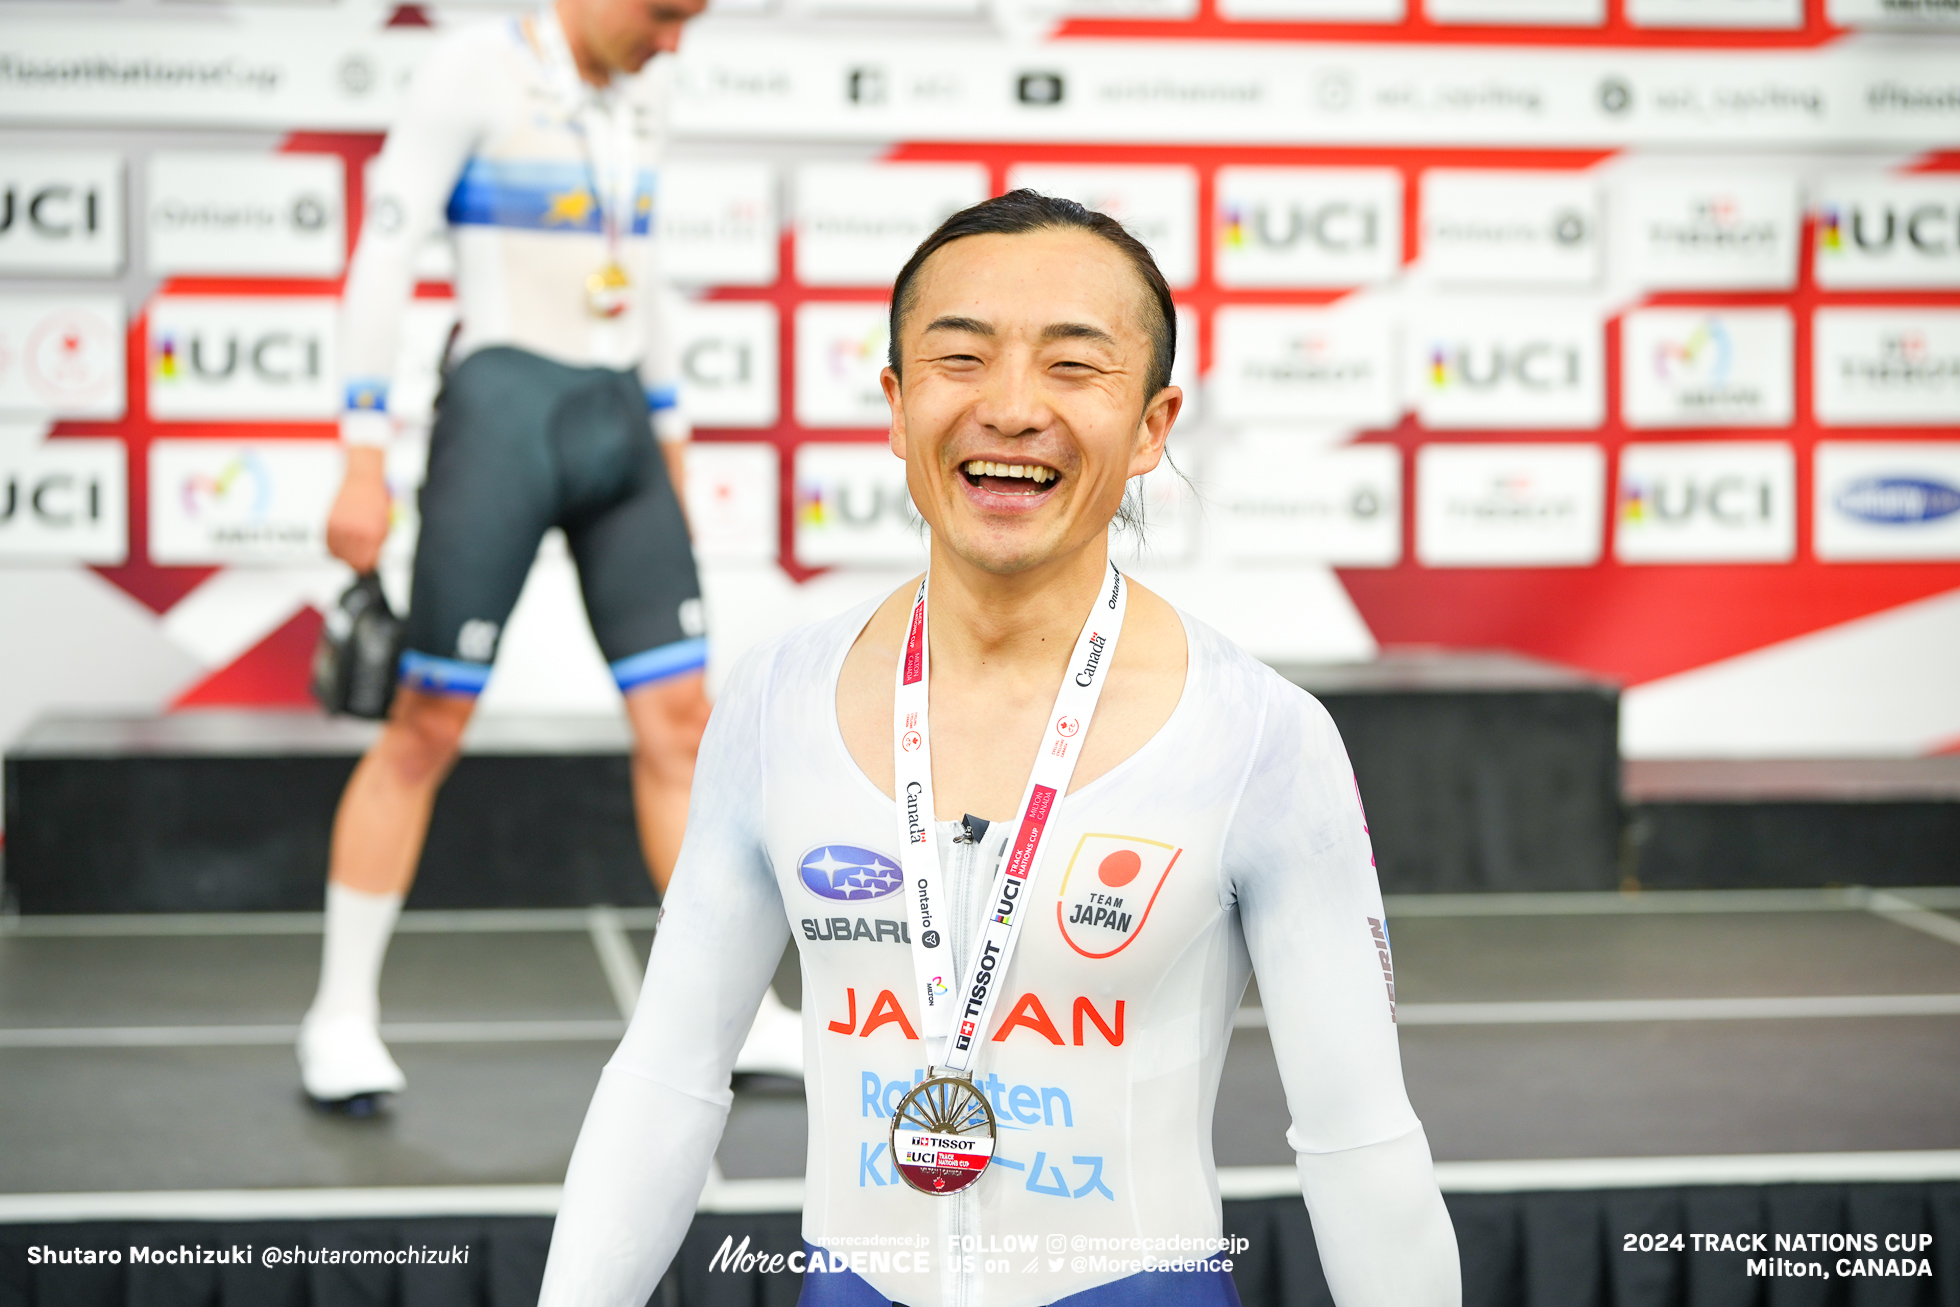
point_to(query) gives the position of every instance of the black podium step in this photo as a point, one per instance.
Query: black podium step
(231, 811)
(1716, 823)
(1480, 771)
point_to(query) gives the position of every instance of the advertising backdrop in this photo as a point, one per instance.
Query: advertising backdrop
(1624, 333)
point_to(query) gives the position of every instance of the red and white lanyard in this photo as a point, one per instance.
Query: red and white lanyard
(960, 1012)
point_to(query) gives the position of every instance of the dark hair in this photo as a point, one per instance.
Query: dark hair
(1024, 211)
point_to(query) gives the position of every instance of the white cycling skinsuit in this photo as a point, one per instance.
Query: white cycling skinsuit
(1232, 842)
(499, 143)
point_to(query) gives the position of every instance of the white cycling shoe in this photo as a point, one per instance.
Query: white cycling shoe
(343, 1065)
(775, 1043)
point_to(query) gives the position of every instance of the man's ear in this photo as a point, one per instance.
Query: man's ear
(894, 400)
(1154, 429)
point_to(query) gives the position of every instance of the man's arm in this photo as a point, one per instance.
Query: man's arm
(1304, 876)
(440, 124)
(643, 1154)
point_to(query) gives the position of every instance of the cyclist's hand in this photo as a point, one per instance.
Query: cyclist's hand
(358, 523)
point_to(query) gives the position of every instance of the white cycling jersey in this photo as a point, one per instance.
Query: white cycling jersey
(517, 158)
(1232, 842)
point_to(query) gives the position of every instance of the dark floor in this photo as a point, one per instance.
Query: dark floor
(162, 1061)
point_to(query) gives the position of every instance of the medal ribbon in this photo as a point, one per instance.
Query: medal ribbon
(605, 132)
(961, 1012)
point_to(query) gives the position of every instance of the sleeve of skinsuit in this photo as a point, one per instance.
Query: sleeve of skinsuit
(440, 124)
(660, 373)
(1299, 862)
(643, 1154)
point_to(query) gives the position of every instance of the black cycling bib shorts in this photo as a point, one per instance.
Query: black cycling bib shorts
(522, 444)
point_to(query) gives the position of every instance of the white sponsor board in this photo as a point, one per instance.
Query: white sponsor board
(1885, 500)
(233, 213)
(851, 508)
(718, 223)
(1159, 206)
(1486, 364)
(1715, 13)
(730, 376)
(1328, 367)
(1308, 226)
(1886, 367)
(1698, 230)
(64, 501)
(1885, 231)
(243, 357)
(1537, 228)
(1707, 368)
(1553, 13)
(857, 223)
(1353, 11)
(1275, 499)
(62, 356)
(61, 211)
(1893, 13)
(1713, 502)
(840, 350)
(1510, 505)
(732, 509)
(237, 501)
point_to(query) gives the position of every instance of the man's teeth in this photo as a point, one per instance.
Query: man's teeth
(982, 468)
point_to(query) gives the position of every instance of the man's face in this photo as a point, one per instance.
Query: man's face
(1022, 413)
(624, 34)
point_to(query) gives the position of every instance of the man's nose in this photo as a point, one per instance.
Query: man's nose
(1014, 402)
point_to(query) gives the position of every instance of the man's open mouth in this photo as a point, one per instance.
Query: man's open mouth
(1009, 478)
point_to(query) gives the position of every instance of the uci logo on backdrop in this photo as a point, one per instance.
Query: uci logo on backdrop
(1479, 364)
(728, 364)
(61, 211)
(852, 507)
(1706, 502)
(1308, 226)
(65, 501)
(243, 358)
(1888, 231)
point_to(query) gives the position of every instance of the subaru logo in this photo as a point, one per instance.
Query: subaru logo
(849, 874)
(1898, 501)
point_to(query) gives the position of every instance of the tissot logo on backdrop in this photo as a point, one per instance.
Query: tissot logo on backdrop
(64, 501)
(234, 213)
(61, 211)
(857, 223)
(243, 358)
(1714, 502)
(1886, 367)
(718, 223)
(1514, 228)
(61, 356)
(1159, 206)
(1888, 231)
(1886, 500)
(1325, 366)
(728, 364)
(1279, 499)
(1693, 231)
(1705, 368)
(840, 350)
(731, 501)
(852, 507)
(849, 874)
(1509, 505)
(1480, 364)
(228, 501)
(1308, 226)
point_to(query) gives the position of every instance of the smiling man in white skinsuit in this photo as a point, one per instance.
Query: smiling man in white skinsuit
(535, 139)
(1015, 1026)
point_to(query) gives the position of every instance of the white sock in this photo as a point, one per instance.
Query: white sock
(358, 927)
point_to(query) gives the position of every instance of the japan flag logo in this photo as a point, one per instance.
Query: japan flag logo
(1107, 893)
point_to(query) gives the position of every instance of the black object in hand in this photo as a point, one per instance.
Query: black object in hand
(355, 661)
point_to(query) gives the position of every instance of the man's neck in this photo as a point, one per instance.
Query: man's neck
(986, 622)
(590, 69)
